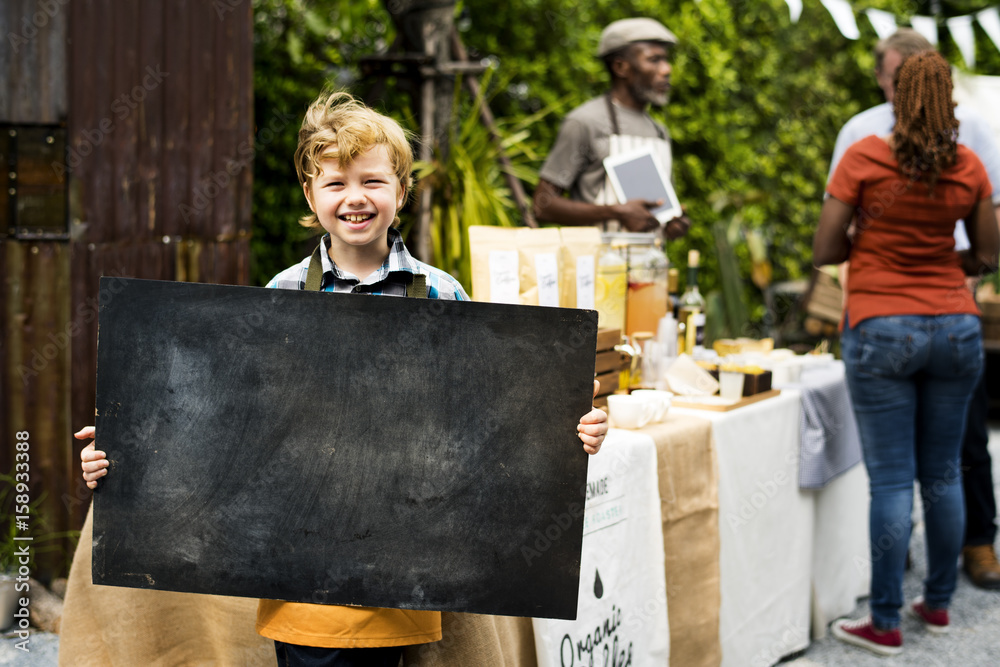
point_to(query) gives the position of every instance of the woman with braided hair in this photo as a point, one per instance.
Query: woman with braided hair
(912, 340)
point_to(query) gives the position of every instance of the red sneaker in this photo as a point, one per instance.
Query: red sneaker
(935, 620)
(863, 633)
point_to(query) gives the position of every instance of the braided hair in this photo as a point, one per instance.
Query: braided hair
(924, 141)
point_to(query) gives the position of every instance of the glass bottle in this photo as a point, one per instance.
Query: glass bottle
(674, 290)
(692, 309)
(610, 287)
(638, 379)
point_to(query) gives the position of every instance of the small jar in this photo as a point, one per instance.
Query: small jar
(610, 287)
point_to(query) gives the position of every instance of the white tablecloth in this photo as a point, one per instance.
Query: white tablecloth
(841, 567)
(831, 452)
(622, 608)
(765, 532)
(791, 560)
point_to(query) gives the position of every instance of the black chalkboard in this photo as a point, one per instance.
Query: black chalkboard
(340, 448)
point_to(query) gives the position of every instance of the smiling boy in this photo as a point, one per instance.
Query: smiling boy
(354, 166)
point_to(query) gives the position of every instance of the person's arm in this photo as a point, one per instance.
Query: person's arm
(831, 244)
(984, 239)
(93, 462)
(549, 205)
(593, 427)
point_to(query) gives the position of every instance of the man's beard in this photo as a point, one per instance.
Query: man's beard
(647, 95)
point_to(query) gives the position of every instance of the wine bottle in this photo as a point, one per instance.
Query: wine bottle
(692, 309)
(673, 290)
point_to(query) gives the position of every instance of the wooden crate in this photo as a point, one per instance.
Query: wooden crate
(989, 306)
(826, 300)
(608, 365)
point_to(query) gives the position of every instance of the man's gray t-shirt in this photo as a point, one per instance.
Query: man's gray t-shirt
(576, 162)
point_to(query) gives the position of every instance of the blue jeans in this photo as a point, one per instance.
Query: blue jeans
(911, 378)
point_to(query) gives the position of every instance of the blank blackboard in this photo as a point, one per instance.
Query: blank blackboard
(341, 448)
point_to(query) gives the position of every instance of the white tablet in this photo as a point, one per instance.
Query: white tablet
(639, 175)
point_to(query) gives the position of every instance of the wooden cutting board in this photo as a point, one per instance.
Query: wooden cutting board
(718, 404)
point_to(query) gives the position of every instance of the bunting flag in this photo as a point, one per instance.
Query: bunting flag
(843, 16)
(989, 20)
(794, 9)
(926, 26)
(960, 28)
(883, 22)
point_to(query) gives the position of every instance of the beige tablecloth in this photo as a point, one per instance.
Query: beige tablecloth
(765, 530)
(107, 625)
(689, 497)
(104, 625)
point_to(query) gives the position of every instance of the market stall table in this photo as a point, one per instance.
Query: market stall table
(687, 471)
(687, 483)
(830, 471)
(622, 582)
(765, 531)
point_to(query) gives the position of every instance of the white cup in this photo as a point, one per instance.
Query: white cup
(660, 398)
(730, 385)
(628, 411)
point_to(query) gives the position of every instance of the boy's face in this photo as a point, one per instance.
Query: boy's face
(356, 204)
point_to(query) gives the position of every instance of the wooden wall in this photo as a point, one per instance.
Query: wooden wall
(156, 98)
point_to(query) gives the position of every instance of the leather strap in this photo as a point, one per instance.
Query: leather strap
(417, 287)
(314, 277)
(613, 115)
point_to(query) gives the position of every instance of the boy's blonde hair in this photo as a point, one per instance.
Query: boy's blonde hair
(340, 127)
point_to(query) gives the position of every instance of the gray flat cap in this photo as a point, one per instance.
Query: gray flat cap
(621, 33)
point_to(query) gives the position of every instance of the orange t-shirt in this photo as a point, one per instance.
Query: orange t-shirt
(331, 626)
(903, 259)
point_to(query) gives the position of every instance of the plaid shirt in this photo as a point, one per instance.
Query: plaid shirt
(391, 279)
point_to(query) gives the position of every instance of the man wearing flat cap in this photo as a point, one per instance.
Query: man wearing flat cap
(635, 52)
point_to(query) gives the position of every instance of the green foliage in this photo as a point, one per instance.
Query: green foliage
(469, 185)
(299, 48)
(756, 106)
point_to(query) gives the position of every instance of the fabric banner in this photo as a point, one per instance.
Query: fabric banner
(622, 609)
(926, 26)
(794, 9)
(960, 28)
(883, 22)
(843, 15)
(989, 20)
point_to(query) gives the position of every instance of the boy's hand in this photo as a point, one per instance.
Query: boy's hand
(93, 462)
(592, 428)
